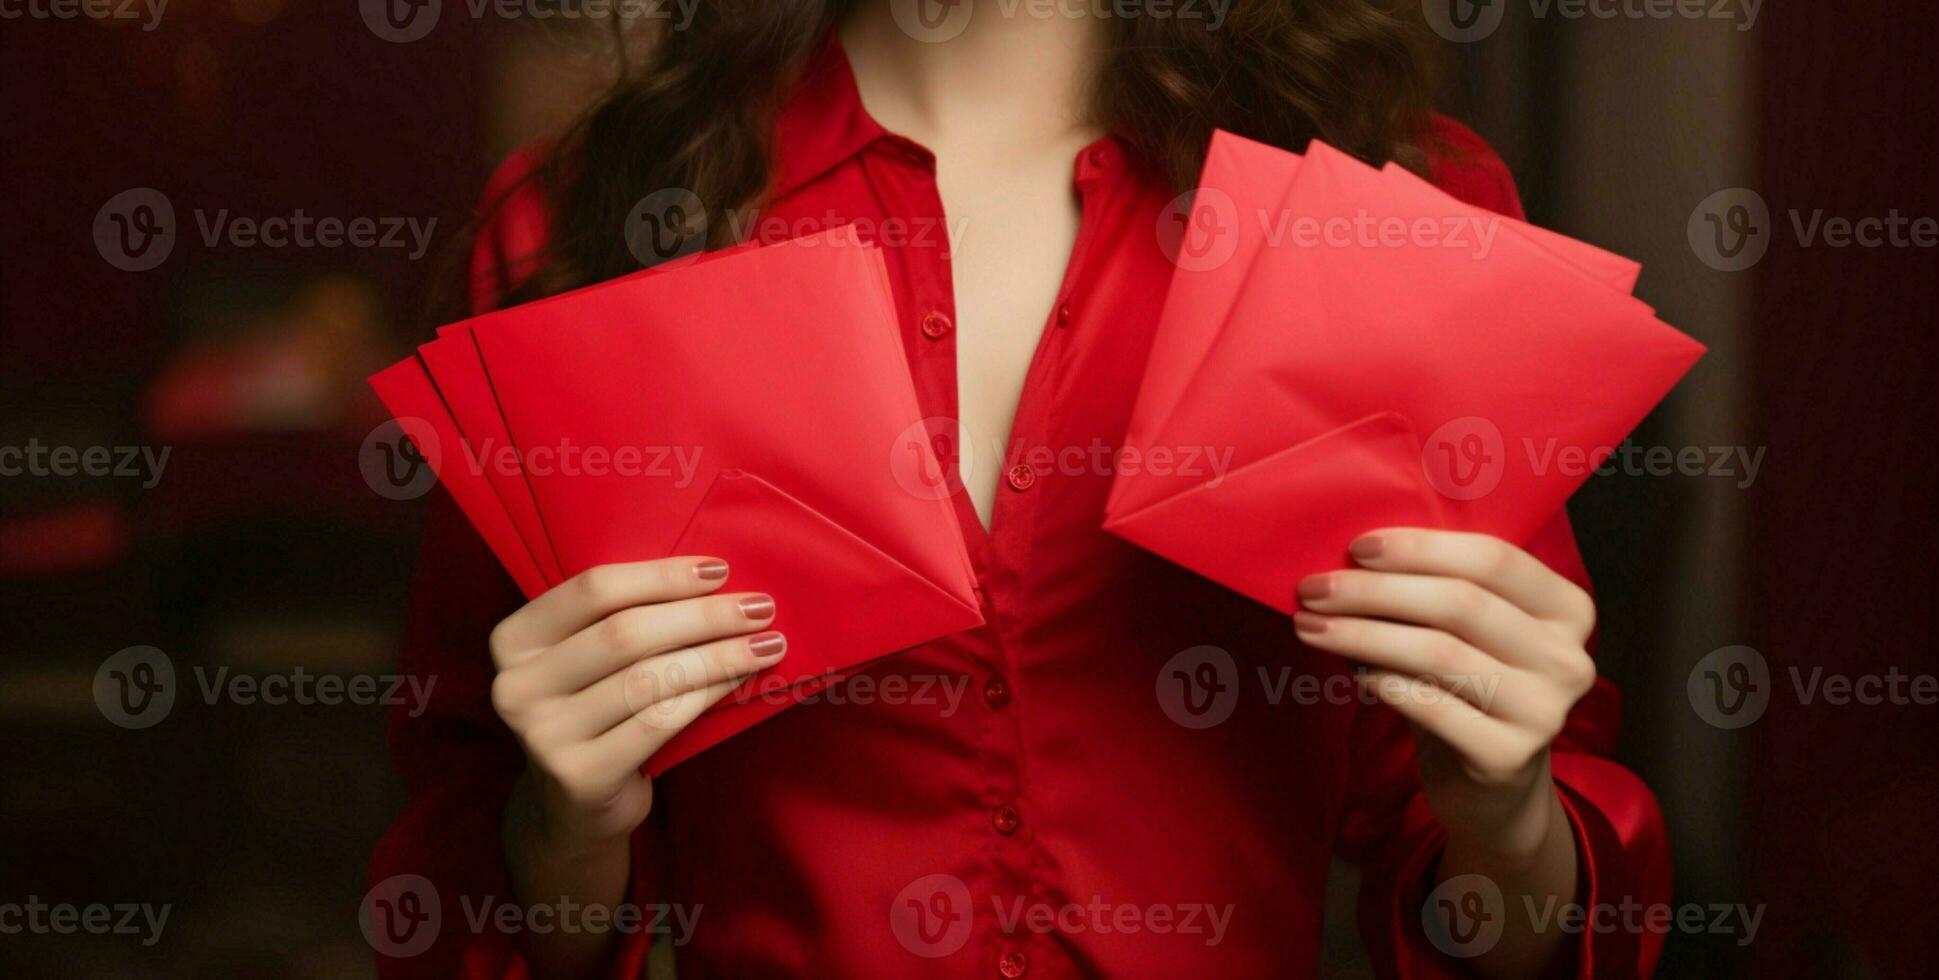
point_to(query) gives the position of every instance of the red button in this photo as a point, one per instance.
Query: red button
(936, 326)
(1063, 314)
(996, 694)
(1022, 477)
(1012, 965)
(1005, 819)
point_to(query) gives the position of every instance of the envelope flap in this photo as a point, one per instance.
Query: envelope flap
(840, 601)
(1211, 238)
(1265, 525)
(1533, 347)
(783, 359)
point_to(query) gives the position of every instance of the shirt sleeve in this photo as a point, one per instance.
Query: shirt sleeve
(1619, 833)
(456, 759)
(1387, 829)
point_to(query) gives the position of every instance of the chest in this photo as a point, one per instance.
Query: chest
(1024, 326)
(1017, 227)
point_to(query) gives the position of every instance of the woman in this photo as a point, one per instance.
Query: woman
(1056, 804)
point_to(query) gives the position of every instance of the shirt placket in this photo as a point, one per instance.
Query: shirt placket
(902, 175)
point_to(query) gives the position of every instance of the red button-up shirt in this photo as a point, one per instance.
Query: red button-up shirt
(1128, 771)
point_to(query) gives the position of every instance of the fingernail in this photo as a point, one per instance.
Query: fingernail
(1365, 548)
(1316, 587)
(1306, 622)
(713, 570)
(757, 606)
(768, 646)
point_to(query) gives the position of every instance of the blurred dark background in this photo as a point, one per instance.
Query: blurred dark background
(255, 546)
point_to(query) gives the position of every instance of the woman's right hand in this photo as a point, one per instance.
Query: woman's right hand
(595, 676)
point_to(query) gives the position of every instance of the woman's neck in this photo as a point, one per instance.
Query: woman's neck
(1015, 72)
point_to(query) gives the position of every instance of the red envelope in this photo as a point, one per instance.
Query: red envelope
(1364, 382)
(780, 370)
(752, 406)
(458, 372)
(407, 390)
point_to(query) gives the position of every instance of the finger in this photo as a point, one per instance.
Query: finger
(628, 745)
(1417, 651)
(634, 634)
(1486, 744)
(596, 593)
(624, 693)
(1458, 606)
(1487, 561)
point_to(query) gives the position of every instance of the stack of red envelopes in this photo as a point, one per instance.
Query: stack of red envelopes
(750, 404)
(1373, 353)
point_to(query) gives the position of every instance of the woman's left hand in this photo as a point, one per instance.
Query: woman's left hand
(1481, 647)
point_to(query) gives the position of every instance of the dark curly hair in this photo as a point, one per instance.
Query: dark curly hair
(694, 108)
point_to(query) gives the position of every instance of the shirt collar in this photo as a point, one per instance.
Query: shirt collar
(823, 123)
